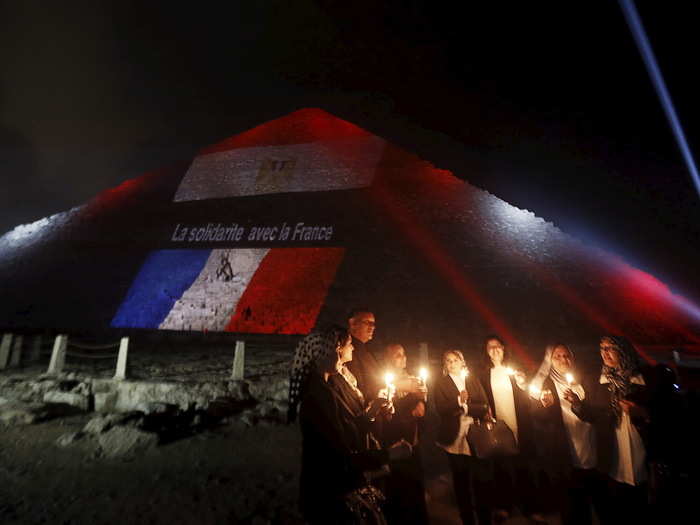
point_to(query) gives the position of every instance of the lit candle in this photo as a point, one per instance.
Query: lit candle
(535, 391)
(569, 378)
(510, 371)
(464, 372)
(389, 379)
(423, 374)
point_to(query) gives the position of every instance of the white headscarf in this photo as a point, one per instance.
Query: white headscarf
(547, 370)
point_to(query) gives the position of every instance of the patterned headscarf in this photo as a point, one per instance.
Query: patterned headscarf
(619, 378)
(315, 348)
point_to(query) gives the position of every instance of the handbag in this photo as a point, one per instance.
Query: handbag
(491, 438)
(364, 506)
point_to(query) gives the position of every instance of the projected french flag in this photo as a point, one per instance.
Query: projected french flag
(247, 290)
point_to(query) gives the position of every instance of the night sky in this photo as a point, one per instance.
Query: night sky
(545, 104)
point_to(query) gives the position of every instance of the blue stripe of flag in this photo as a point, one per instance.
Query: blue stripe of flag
(162, 280)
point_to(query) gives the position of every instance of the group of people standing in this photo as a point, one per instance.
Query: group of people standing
(580, 441)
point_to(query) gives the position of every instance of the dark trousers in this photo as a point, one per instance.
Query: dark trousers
(515, 483)
(405, 493)
(470, 476)
(583, 490)
(626, 504)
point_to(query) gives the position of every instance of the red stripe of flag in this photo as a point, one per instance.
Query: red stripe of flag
(287, 291)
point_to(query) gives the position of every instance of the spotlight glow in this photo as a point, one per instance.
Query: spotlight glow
(640, 37)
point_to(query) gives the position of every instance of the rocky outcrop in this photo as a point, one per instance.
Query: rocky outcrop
(263, 395)
(18, 413)
(125, 442)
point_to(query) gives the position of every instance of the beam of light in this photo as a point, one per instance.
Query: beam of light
(640, 37)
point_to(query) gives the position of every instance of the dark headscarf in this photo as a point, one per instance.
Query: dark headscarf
(619, 378)
(315, 348)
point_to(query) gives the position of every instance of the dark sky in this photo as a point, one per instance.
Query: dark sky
(545, 104)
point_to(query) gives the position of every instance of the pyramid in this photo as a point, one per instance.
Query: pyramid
(289, 225)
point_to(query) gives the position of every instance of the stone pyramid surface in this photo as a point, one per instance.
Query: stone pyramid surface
(290, 224)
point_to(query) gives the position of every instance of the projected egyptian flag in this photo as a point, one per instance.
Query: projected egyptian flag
(255, 290)
(338, 164)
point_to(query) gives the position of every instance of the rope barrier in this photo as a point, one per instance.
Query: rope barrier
(92, 356)
(86, 346)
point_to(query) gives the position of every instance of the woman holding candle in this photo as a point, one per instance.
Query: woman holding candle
(408, 397)
(507, 395)
(336, 435)
(565, 444)
(405, 491)
(459, 399)
(616, 405)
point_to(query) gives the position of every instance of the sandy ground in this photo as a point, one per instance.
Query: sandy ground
(230, 474)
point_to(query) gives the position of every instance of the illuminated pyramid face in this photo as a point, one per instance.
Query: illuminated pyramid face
(287, 226)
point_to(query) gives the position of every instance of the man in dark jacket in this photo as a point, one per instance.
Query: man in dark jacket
(364, 366)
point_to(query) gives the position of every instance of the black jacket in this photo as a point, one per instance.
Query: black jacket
(445, 394)
(335, 451)
(596, 409)
(366, 370)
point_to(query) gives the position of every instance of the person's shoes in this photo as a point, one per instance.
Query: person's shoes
(500, 515)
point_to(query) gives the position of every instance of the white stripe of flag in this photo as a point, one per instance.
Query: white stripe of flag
(212, 298)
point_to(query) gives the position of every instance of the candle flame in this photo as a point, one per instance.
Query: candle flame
(569, 377)
(534, 390)
(389, 378)
(510, 371)
(423, 374)
(464, 372)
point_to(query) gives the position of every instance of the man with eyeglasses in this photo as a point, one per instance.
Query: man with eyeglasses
(364, 366)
